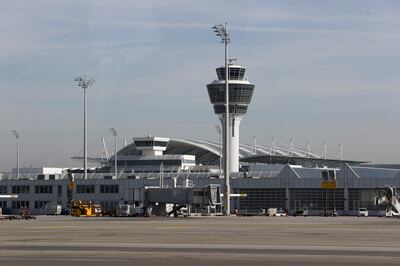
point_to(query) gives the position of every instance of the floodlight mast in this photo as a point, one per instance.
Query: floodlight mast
(219, 130)
(113, 132)
(84, 82)
(222, 31)
(16, 135)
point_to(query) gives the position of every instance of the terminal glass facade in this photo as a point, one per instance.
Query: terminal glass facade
(259, 198)
(314, 199)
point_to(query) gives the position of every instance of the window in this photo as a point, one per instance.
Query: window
(314, 199)
(146, 143)
(3, 189)
(85, 189)
(43, 189)
(259, 198)
(109, 189)
(41, 204)
(20, 204)
(154, 162)
(160, 143)
(238, 93)
(20, 189)
(3, 205)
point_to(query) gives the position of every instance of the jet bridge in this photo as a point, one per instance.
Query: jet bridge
(155, 199)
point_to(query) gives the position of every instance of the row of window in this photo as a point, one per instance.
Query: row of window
(235, 73)
(362, 198)
(237, 93)
(109, 189)
(148, 162)
(89, 189)
(150, 143)
(19, 204)
(43, 189)
(20, 189)
(259, 198)
(233, 109)
(48, 189)
(316, 199)
(3, 189)
(41, 204)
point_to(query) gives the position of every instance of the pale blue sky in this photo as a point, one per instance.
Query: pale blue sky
(323, 70)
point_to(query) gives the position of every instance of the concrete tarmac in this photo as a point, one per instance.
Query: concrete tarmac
(200, 241)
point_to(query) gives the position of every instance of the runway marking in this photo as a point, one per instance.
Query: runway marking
(57, 226)
(172, 227)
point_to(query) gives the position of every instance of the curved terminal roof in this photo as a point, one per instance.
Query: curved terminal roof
(207, 152)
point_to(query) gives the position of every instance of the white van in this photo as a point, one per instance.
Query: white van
(362, 212)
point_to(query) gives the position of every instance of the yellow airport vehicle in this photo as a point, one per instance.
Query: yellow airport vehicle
(81, 208)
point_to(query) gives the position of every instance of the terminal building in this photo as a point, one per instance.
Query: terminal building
(293, 185)
(269, 176)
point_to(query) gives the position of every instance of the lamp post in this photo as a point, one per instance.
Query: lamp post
(222, 31)
(219, 130)
(84, 82)
(113, 132)
(16, 135)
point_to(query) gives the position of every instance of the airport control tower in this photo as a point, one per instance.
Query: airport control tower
(240, 93)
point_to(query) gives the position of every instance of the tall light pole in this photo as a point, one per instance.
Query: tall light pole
(218, 128)
(113, 132)
(222, 31)
(16, 135)
(85, 83)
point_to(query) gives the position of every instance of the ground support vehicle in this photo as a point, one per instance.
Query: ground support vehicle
(80, 208)
(129, 210)
(54, 209)
(272, 211)
(280, 212)
(303, 212)
(362, 212)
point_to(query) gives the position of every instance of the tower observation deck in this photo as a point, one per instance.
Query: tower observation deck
(240, 94)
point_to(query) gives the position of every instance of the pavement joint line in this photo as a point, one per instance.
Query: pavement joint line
(209, 246)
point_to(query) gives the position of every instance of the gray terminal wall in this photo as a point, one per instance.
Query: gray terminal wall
(290, 188)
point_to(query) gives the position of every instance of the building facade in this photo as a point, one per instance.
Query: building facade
(283, 186)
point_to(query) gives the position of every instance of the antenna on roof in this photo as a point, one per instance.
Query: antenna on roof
(232, 61)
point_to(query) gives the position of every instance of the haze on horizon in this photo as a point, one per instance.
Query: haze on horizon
(323, 71)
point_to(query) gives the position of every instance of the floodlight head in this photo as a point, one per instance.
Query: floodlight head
(221, 31)
(113, 131)
(15, 134)
(84, 82)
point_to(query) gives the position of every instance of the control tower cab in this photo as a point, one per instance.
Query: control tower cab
(151, 145)
(240, 93)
